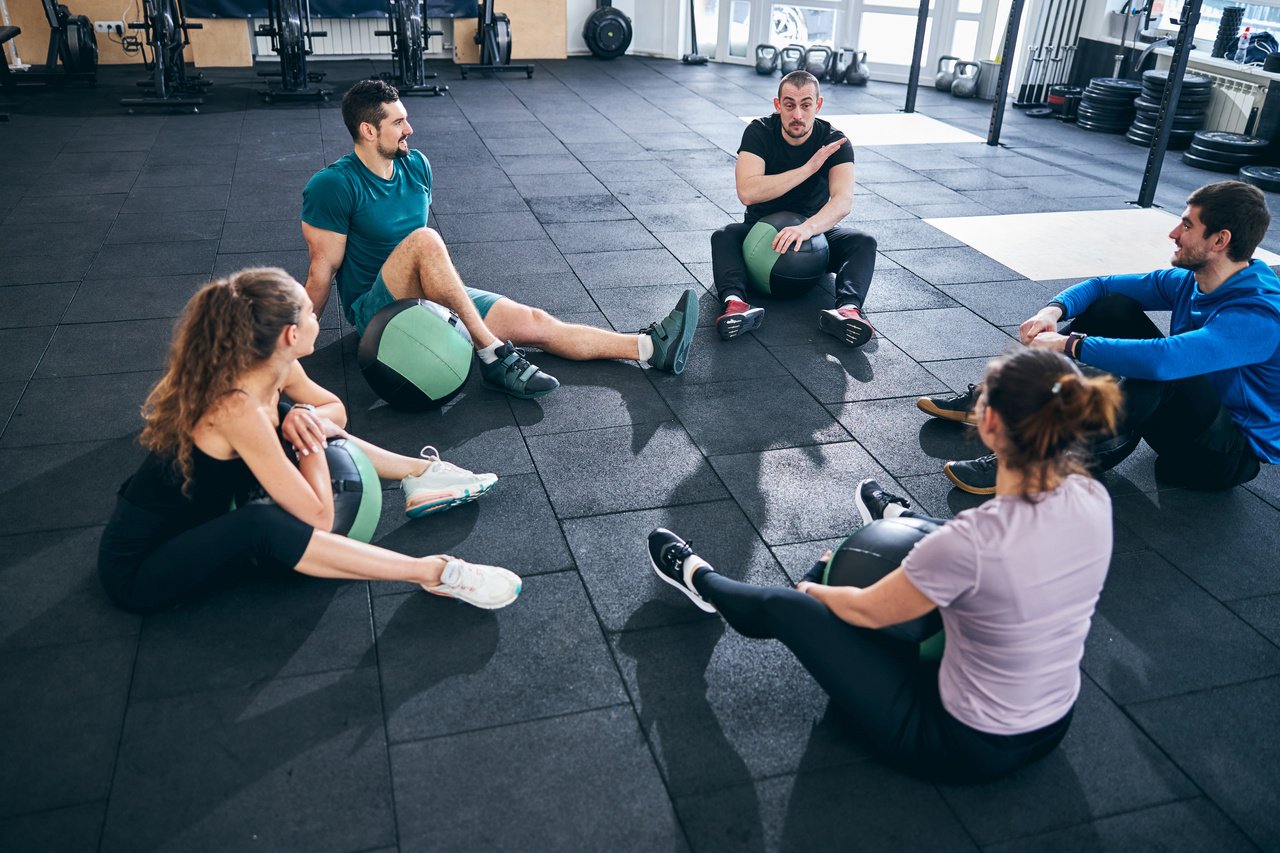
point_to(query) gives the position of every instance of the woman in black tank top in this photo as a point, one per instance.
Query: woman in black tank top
(215, 429)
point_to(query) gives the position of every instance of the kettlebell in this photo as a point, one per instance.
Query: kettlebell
(946, 76)
(792, 55)
(841, 62)
(966, 85)
(858, 73)
(817, 60)
(766, 59)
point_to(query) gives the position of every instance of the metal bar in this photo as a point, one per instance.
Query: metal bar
(1172, 91)
(1033, 51)
(917, 52)
(1051, 47)
(1006, 64)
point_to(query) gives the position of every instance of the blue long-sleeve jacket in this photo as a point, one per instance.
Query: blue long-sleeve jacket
(1231, 337)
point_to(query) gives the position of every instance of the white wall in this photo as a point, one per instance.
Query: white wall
(656, 25)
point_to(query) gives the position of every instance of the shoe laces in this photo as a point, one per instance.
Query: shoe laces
(681, 551)
(468, 578)
(433, 456)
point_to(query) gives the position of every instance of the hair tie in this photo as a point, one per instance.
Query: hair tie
(1057, 386)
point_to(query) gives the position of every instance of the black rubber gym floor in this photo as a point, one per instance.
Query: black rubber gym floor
(600, 712)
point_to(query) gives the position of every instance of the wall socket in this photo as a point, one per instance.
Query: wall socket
(116, 27)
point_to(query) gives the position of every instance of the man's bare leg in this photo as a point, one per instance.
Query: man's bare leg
(420, 268)
(665, 344)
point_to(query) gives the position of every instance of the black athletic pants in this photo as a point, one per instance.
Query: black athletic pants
(852, 259)
(879, 682)
(1197, 444)
(140, 575)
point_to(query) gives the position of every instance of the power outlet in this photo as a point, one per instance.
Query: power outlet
(116, 27)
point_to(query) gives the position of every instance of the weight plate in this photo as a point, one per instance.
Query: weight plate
(1192, 159)
(1104, 116)
(1146, 126)
(1116, 84)
(1224, 157)
(1263, 177)
(1092, 94)
(1039, 112)
(1234, 143)
(1190, 78)
(1099, 128)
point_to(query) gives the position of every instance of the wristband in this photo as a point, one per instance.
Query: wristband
(310, 408)
(1072, 347)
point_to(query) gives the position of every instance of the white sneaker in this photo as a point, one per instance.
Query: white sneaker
(486, 587)
(441, 486)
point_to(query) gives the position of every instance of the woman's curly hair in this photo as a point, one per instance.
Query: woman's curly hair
(230, 326)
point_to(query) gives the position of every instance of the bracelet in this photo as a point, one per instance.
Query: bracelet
(1072, 347)
(310, 408)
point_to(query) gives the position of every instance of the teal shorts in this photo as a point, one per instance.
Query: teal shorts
(378, 297)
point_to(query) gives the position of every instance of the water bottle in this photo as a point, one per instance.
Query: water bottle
(1243, 50)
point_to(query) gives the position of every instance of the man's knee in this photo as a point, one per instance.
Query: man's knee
(1115, 316)
(528, 326)
(426, 242)
(850, 242)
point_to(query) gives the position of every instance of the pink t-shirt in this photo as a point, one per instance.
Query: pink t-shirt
(1016, 584)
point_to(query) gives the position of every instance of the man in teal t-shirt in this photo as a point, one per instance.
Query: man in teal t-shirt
(364, 218)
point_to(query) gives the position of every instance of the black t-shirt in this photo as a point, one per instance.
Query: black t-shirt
(763, 138)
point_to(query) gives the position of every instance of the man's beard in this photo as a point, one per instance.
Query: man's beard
(1189, 262)
(394, 153)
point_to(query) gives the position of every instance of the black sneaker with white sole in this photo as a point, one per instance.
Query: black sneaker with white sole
(669, 555)
(872, 500)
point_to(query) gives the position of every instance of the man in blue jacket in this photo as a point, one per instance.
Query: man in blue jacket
(1207, 397)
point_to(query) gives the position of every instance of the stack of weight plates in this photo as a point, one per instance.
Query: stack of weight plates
(1218, 151)
(1107, 104)
(1188, 113)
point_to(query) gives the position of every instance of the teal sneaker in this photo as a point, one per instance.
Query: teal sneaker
(673, 337)
(513, 374)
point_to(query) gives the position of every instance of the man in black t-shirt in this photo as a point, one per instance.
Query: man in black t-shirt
(794, 161)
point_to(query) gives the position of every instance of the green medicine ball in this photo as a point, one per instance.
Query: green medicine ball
(790, 274)
(357, 491)
(415, 354)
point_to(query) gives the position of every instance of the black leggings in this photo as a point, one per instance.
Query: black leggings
(140, 575)
(852, 259)
(1197, 444)
(880, 683)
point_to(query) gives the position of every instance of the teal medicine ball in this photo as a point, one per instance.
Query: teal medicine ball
(791, 274)
(875, 550)
(357, 491)
(415, 354)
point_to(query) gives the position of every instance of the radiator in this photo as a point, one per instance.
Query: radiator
(1234, 104)
(351, 37)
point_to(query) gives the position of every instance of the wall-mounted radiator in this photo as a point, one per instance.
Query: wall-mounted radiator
(351, 37)
(1234, 105)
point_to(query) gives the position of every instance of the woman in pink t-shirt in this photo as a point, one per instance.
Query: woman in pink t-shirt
(1015, 581)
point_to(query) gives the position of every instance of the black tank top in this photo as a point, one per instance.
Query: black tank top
(215, 483)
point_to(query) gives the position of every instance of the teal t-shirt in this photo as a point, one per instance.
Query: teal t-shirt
(375, 214)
